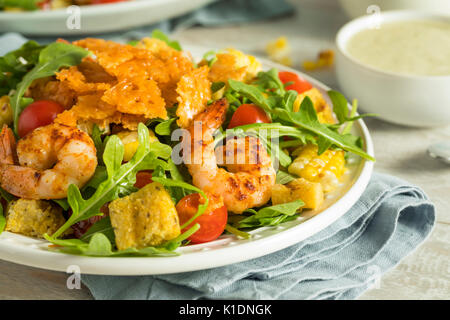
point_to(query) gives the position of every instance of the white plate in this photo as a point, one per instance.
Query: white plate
(227, 249)
(96, 18)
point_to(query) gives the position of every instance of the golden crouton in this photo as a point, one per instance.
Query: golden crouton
(145, 218)
(280, 194)
(33, 218)
(311, 193)
(324, 112)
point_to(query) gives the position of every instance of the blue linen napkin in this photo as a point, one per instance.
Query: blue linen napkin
(388, 222)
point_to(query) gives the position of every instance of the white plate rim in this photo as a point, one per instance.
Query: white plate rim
(197, 257)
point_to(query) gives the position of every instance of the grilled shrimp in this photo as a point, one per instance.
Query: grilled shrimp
(248, 182)
(46, 161)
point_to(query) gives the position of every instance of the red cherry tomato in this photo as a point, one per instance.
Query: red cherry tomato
(248, 114)
(143, 178)
(44, 5)
(212, 221)
(37, 114)
(300, 85)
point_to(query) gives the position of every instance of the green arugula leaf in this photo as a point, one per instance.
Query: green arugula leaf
(51, 59)
(15, 64)
(101, 226)
(133, 42)
(216, 86)
(99, 176)
(210, 57)
(250, 92)
(284, 177)
(174, 172)
(6, 195)
(237, 232)
(96, 136)
(158, 34)
(29, 5)
(164, 128)
(271, 216)
(8, 198)
(348, 127)
(340, 108)
(289, 99)
(2, 220)
(269, 80)
(62, 203)
(323, 145)
(340, 105)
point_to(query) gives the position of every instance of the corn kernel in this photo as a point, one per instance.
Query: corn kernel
(326, 168)
(324, 59)
(279, 51)
(131, 142)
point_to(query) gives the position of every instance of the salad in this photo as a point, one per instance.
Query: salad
(31, 5)
(136, 149)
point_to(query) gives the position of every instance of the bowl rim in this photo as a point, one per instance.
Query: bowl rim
(354, 26)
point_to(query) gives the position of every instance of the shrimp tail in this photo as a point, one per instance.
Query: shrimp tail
(213, 116)
(8, 155)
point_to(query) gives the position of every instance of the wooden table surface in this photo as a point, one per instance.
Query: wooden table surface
(400, 151)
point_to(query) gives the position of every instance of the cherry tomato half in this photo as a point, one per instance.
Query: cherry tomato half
(212, 221)
(37, 114)
(248, 114)
(300, 85)
(143, 178)
(44, 5)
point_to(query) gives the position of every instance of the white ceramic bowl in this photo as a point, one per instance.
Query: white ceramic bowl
(403, 99)
(357, 8)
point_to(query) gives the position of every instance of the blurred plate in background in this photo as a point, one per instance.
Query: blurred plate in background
(97, 18)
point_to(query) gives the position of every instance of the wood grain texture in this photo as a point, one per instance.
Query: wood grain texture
(26, 283)
(400, 151)
(425, 274)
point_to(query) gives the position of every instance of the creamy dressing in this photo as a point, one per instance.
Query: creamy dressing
(408, 47)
